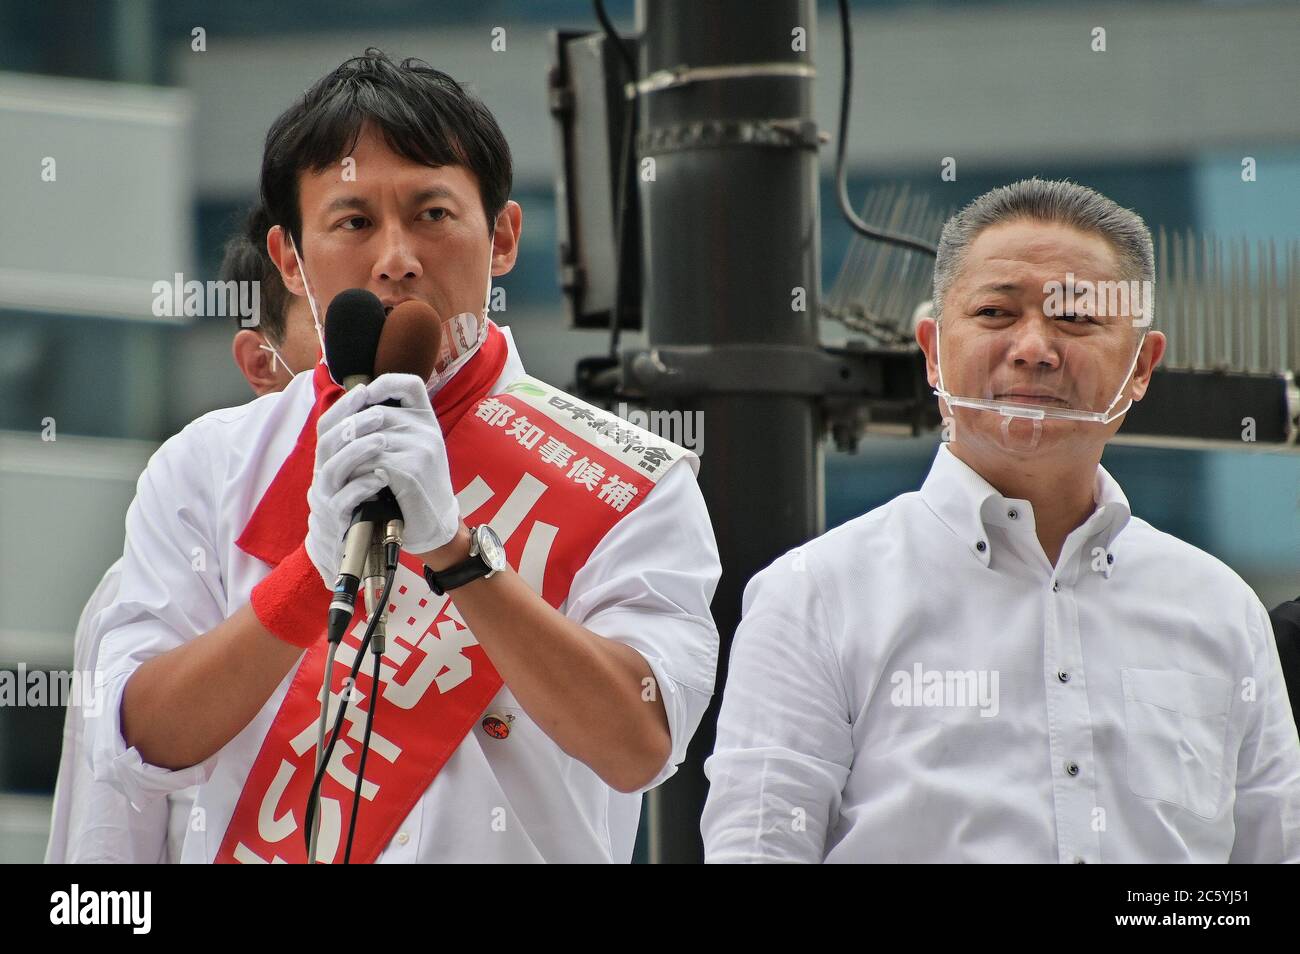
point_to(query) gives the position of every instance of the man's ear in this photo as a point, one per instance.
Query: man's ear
(1153, 349)
(505, 238)
(255, 364)
(927, 337)
(279, 247)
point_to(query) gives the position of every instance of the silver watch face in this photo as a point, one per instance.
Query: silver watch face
(490, 548)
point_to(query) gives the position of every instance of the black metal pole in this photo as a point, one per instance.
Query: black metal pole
(730, 229)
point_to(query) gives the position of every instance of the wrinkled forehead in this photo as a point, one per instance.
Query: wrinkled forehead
(1021, 257)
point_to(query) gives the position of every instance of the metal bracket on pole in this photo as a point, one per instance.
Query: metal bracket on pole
(748, 369)
(715, 134)
(853, 386)
(684, 75)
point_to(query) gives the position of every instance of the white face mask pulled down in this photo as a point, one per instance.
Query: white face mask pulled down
(462, 335)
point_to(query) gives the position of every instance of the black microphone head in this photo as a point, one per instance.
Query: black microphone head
(353, 324)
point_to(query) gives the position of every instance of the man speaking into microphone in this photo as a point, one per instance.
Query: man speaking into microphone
(550, 649)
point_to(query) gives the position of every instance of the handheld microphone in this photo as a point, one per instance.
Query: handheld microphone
(361, 344)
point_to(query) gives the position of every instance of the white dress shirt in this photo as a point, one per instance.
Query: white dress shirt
(647, 584)
(91, 821)
(922, 685)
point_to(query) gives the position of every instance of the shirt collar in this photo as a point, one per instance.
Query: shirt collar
(514, 364)
(968, 505)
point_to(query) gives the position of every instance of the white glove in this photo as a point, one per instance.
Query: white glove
(361, 447)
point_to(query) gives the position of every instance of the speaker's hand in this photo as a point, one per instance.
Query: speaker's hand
(362, 446)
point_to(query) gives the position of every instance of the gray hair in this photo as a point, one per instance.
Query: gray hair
(1046, 201)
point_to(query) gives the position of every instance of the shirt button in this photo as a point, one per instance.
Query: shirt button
(1013, 514)
(1063, 676)
(1056, 586)
(981, 546)
(1080, 861)
(1072, 768)
(1110, 558)
(403, 837)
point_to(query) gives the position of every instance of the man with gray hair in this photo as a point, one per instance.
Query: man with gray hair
(1007, 665)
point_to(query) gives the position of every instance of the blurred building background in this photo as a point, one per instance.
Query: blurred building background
(157, 147)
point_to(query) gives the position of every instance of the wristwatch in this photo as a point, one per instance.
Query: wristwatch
(487, 557)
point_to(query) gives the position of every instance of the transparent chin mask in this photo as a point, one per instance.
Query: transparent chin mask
(1032, 377)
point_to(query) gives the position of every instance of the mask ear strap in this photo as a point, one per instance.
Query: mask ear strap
(311, 299)
(1127, 377)
(938, 363)
(487, 299)
(276, 356)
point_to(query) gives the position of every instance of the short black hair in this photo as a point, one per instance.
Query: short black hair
(423, 114)
(246, 260)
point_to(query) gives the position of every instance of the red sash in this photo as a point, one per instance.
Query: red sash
(530, 463)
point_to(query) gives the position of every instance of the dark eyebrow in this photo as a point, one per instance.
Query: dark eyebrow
(343, 202)
(347, 202)
(997, 287)
(434, 192)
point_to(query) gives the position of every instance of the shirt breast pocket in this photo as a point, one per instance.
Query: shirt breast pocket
(1177, 723)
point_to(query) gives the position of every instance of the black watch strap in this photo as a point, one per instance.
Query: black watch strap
(464, 572)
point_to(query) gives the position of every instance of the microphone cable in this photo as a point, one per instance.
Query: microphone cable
(323, 761)
(365, 750)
